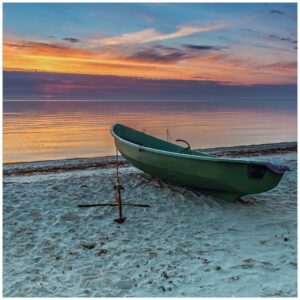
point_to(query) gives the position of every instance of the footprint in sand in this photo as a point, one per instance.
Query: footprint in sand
(248, 263)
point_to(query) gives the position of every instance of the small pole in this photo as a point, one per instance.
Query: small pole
(118, 199)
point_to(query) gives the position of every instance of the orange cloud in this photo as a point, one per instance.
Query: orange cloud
(37, 57)
(241, 70)
(161, 62)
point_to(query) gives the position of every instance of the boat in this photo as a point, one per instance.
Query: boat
(226, 178)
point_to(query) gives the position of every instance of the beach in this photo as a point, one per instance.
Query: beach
(186, 244)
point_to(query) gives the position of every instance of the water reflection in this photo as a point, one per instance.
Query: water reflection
(53, 130)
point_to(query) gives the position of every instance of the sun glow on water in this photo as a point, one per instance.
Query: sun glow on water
(55, 130)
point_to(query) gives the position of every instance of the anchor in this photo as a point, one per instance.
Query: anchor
(118, 199)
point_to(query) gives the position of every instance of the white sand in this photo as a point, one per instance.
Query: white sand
(185, 244)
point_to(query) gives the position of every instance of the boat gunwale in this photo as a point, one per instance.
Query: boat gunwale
(182, 155)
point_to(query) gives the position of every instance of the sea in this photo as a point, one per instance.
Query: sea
(53, 129)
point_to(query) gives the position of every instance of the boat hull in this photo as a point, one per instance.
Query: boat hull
(229, 182)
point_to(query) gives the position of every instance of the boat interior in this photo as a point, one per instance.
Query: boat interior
(142, 139)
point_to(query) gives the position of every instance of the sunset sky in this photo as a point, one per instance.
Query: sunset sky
(67, 51)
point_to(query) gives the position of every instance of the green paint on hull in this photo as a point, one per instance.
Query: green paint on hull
(228, 179)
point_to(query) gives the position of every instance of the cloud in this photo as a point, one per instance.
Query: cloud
(35, 45)
(203, 47)
(71, 40)
(39, 56)
(16, 45)
(164, 54)
(151, 35)
(188, 61)
(277, 11)
(282, 66)
(41, 48)
(159, 54)
(283, 39)
(278, 38)
(247, 29)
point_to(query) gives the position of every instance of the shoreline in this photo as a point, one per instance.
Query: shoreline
(77, 164)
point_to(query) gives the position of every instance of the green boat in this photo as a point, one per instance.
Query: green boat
(229, 179)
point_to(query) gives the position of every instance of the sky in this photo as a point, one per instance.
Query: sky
(144, 50)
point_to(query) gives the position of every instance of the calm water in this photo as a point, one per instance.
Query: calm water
(54, 130)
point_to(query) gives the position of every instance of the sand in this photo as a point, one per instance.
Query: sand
(185, 244)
